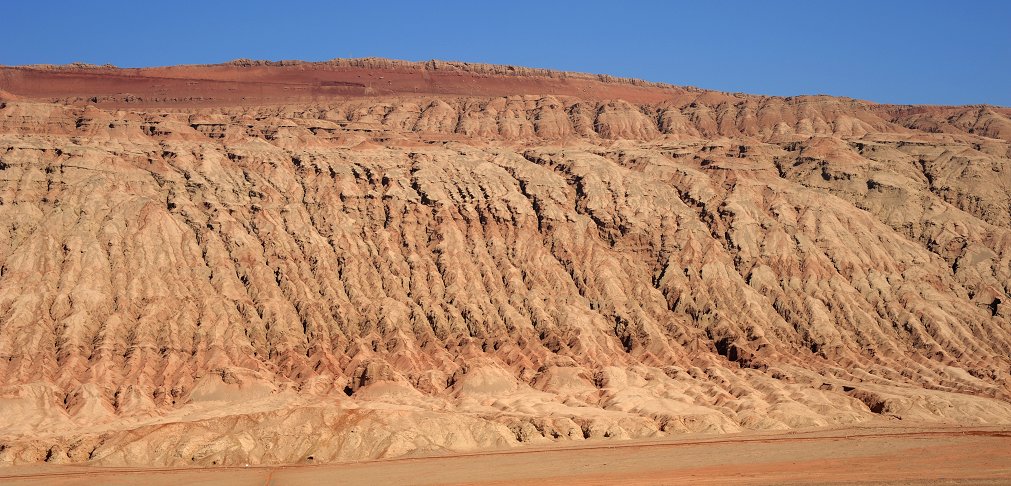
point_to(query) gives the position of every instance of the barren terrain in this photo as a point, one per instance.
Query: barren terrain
(889, 455)
(271, 263)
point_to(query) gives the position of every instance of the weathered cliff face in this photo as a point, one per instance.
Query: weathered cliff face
(375, 274)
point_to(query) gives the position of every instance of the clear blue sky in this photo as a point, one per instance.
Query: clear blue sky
(926, 51)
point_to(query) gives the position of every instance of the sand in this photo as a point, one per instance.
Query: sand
(889, 455)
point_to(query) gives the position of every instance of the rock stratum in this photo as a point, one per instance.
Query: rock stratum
(284, 262)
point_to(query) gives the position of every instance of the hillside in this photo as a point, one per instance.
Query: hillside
(286, 262)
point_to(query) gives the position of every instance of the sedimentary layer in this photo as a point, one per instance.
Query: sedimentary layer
(281, 262)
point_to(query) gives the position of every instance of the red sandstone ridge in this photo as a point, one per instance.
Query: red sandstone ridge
(262, 262)
(258, 82)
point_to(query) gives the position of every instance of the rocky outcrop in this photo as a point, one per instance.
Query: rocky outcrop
(371, 276)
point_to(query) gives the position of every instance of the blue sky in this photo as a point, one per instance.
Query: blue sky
(888, 51)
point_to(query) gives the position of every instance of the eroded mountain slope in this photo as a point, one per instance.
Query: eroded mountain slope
(377, 274)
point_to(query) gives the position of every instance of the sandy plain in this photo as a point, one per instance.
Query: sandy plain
(884, 454)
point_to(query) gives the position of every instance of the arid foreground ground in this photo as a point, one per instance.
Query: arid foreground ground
(891, 455)
(291, 263)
